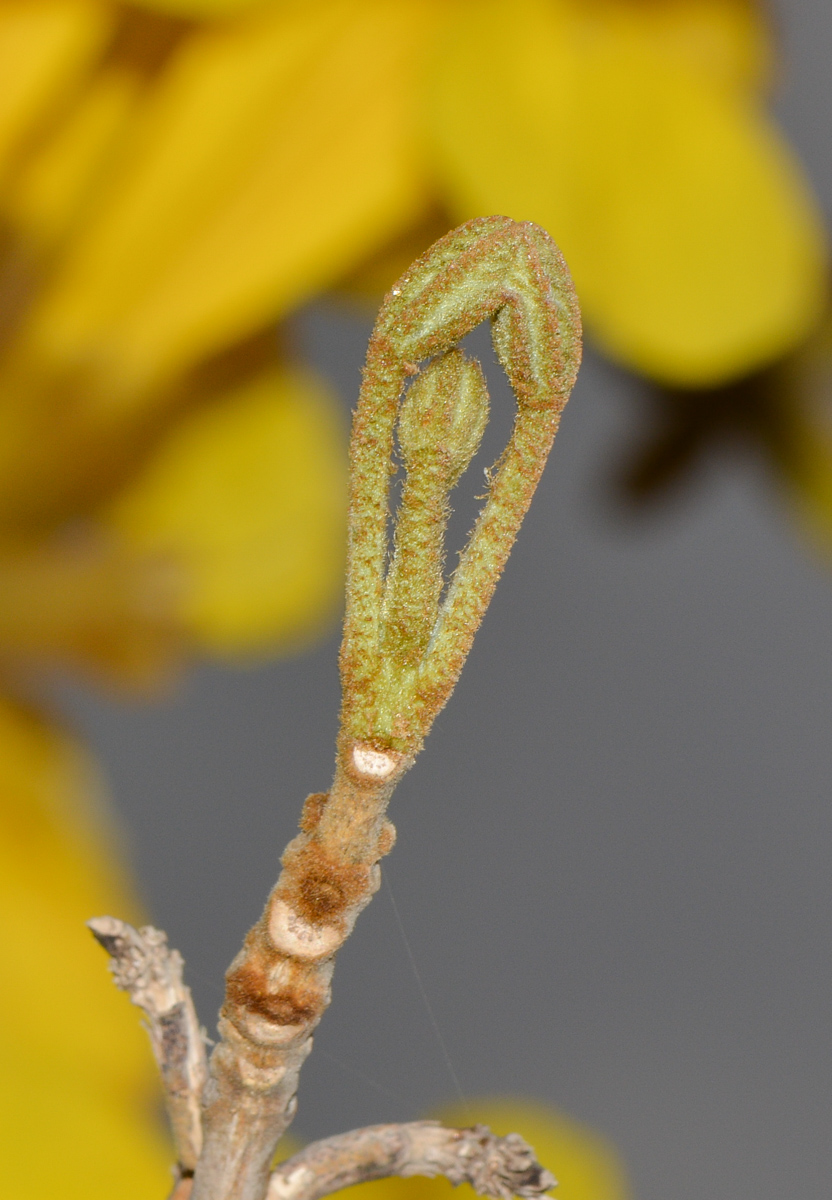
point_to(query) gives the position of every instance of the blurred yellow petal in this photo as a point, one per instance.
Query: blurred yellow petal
(45, 45)
(801, 447)
(57, 180)
(246, 499)
(77, 1081)
(584, 1164)
(377, 273)
(207, 8)
(811, 482)
(275, 152)
(696, 248)
(83, 601)
(723, 39)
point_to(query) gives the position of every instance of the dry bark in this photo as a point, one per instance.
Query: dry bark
(143, 966)
(499, 1167)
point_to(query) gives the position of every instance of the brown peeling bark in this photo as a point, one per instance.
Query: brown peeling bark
(278, 986)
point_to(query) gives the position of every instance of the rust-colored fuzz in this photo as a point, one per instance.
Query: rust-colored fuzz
(317, 887)
(296, 1002)
(313, 807)
(320, 896)
(386, 839)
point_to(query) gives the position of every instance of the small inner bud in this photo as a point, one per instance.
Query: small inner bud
(445, 413)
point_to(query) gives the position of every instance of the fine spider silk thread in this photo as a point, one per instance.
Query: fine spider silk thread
(463, 1099)
(348, 1069)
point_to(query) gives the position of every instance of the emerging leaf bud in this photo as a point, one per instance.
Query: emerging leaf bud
(406, 634)
(444, 414)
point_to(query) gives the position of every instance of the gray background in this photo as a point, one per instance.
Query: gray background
(613, 854)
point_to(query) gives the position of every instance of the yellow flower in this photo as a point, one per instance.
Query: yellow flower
(77, 1090)
(635, 131)
(176, 178)
(167, 155)
(144, 516)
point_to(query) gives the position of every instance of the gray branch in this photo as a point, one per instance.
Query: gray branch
(143, 966)
(499, 1167)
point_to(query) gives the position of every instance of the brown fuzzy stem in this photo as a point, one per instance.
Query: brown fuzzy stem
(499, 1167)
(279, 984)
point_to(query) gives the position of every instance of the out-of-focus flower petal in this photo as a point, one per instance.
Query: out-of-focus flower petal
(56, 181)
(275, 152)
(86, 601)
(801, 448)
(377, 273)
(722, 39)
(246, 498)
(584, 1164)
(77, 1080)
(810, 480)
(695, 245)
(206, 9)
(45, 45)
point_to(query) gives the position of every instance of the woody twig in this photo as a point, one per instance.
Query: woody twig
(498, 1167)
(143, 966)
